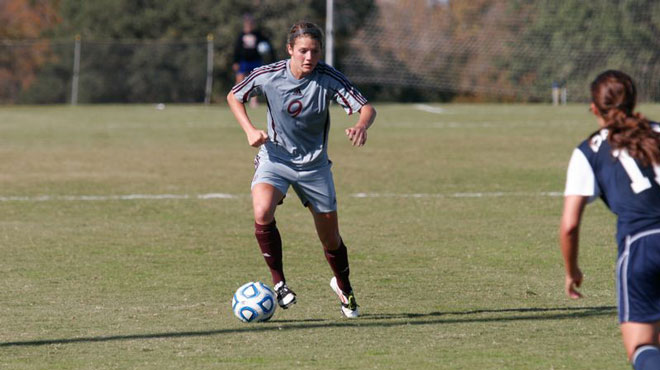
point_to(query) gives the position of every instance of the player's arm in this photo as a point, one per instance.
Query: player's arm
(255, 136)
(358, 133)
(569, 232)
(581, 188)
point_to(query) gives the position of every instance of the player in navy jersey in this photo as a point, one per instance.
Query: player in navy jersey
(298, 92)
(620, 163)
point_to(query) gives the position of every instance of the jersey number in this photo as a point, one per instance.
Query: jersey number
(639, 181)
(294, 108)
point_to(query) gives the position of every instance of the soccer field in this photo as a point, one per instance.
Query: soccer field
(124, 231)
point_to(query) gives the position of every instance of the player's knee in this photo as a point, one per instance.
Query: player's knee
(263, 220)
(263, 215)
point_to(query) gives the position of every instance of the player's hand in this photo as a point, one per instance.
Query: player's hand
(572, 282)
(357, 135)
(257, 137)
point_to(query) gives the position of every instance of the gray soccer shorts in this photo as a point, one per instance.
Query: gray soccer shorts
(315, 188)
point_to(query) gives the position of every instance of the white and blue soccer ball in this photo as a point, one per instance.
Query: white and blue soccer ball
(263, 47)
(254, 302)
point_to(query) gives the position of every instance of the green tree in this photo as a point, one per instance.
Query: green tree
(21, 56)
(119, 65)
(573, 40)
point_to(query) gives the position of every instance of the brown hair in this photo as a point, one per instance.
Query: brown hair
(308, 29)
(614, 95)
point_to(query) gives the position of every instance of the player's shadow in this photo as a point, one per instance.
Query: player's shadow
(366, 320)
(531, 313)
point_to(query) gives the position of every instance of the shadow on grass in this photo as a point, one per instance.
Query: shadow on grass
(367, 320)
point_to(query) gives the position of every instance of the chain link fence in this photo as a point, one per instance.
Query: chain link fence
(117, 71)
(502, 50)
(508, 50)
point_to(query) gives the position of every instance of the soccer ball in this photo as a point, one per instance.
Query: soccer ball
(253, 301)
(263, 47)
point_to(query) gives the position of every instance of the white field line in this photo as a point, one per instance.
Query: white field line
(449, 124)
(45, 198)
(100, 198)
(429, 109)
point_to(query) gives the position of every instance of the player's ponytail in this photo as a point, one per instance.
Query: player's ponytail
(614, 95)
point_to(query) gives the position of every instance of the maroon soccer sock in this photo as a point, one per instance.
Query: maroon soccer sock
(270, 244)
(338, 260)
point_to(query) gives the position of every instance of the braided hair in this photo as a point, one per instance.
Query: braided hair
(614, 95)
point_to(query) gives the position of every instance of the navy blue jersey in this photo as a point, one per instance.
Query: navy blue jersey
(630, 190)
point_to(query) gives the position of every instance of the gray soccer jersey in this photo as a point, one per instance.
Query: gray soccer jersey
(298, 117)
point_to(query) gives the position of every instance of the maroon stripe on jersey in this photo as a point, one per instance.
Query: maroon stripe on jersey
(259, 71)
(281, 63)
(245, 97)
(350, 110)
(254, 74)
(351, 91)
(344, 81)
(272, 120)
(348, 87)
(326, 129)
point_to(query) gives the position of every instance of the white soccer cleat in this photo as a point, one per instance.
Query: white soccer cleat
(285, 296)
(349, 306)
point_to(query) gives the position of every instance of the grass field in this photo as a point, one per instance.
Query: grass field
(114, 255)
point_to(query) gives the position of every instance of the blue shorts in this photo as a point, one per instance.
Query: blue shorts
(315, 188)
(638, 278)
(245, 67)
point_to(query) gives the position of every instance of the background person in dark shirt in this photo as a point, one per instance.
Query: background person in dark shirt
(249, 51)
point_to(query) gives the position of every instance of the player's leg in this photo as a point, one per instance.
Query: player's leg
(265, 198)
(327, 228)
(638, 285)
(268, 190)
(641, 343)
(244, 69)
(316, 190)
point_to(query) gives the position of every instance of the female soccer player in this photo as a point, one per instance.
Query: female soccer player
(293, 152)
(620, 163)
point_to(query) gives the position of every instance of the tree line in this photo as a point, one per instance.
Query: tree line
(148, 50)
(141, 50)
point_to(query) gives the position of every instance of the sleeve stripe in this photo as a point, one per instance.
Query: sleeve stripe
(244, 99)
(259, 71)
(347, 84)
(350, 110)
(350, 88)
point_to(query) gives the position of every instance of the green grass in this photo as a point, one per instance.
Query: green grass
(443, 281)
